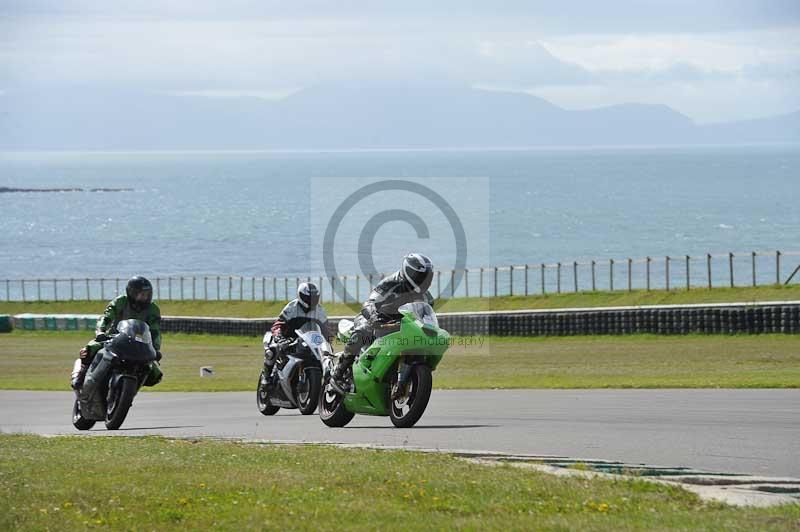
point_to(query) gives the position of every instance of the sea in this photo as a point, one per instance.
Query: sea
(272, 213)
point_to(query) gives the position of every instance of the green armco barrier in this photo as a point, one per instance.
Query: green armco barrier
(52, 322)
(5, 323)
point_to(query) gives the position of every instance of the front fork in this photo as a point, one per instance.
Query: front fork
(403, 375)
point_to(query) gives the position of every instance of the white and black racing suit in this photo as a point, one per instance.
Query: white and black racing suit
(293, 317)
(380, 308)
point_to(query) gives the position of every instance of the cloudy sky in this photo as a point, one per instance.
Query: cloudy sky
(714, 60)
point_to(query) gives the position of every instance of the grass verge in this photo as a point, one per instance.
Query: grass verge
(258, 309)
(42, 361)
(153, 483)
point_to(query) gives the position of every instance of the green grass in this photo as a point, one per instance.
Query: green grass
(257, 309)
(158, 484)
(42, 361)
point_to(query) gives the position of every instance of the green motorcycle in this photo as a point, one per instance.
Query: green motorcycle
(393, 375)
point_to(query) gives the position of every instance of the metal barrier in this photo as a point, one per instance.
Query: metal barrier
(726, 318)
(669, 272)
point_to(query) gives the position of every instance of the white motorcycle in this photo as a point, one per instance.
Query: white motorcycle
(296, 376)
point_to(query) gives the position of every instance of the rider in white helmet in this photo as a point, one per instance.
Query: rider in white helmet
(299, 311)
(410, 283)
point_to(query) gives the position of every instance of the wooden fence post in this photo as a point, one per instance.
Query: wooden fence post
(558, 277)
(594, 276)
(708, 270)
(730, 267)
(526, 279)
(611, 274)
(575, 276)
(630, 278)
(543, 287)
(688, 277)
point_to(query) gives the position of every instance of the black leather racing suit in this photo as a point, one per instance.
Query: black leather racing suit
(381, 307)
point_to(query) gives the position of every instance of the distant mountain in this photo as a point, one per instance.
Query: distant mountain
(348, 116)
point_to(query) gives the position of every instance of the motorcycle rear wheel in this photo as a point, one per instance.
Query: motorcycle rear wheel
(123, 399)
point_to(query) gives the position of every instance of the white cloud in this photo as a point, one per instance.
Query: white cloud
(710, 51)
(265, 50)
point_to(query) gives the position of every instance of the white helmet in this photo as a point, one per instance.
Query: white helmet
(417, 270)
(308, 296)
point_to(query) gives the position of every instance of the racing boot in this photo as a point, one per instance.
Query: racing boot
(79, 369)
(338, 380)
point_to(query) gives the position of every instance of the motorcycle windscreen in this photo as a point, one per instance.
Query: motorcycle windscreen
(310, 326)
(422, 311)
(134, 342)
(314, 338)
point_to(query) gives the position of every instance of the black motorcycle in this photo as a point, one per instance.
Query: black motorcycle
(126, 362)
(296, 376)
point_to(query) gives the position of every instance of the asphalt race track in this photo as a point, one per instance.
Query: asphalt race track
(737, 431)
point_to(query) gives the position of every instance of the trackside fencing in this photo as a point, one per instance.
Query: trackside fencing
(723, 318)
(650, 273)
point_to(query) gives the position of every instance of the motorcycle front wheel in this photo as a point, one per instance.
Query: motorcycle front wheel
(332, 411)
(120, 402)
(406, 409)
(308, 391)
(262, 397)
(78, 421)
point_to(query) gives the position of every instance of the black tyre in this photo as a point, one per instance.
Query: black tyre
(78, 421)
(308, 391)
(262, 397)
(119, 402)
(332, 411)
(406, 410)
